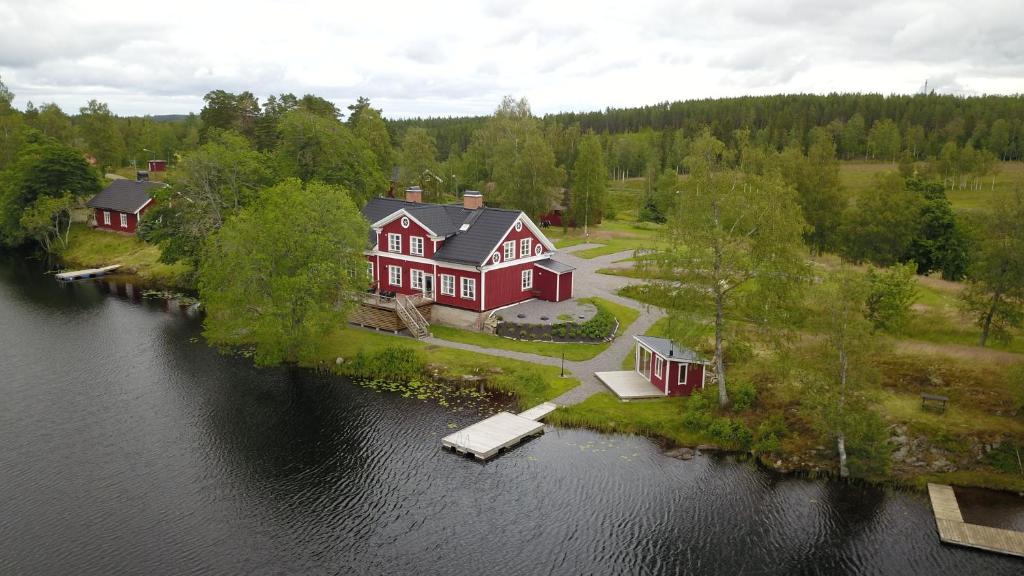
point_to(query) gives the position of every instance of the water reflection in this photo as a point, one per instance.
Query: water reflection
(129, 446)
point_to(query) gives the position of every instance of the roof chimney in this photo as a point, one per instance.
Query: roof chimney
(471, 200)
(414, 194)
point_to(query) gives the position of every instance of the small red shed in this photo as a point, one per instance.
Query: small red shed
(119, 207)
(674, 369)
(158, 165)
(552, 280)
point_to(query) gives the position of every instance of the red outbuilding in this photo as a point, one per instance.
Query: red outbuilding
(120, 206)
(464, 255)
(158, 165)
(673, 369)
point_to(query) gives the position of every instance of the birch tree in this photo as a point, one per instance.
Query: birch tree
(735, 248)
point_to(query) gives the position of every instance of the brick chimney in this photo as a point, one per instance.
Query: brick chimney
(414, 194)
(471, 200)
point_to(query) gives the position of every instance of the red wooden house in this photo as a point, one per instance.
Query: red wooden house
(671, 368)
(466, 255)
(120, 206)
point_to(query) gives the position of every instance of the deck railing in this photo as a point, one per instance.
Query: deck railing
(414, 321)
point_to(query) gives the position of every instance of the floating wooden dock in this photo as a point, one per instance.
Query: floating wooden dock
(88, 273)
(487, 438)
(953, 530)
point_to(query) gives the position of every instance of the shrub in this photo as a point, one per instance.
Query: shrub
(730, 432)
(743, 395)
(390, 364)
(1004, 458)
(769, 434)
(697, 411)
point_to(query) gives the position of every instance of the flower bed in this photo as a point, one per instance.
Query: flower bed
(600, 328)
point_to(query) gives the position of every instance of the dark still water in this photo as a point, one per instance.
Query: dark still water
(129, 447)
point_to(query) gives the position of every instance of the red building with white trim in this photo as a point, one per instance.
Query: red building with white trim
(466, 255)
(120, 206)
(671, 368)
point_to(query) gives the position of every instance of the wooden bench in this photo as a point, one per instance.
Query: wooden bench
(938, 401)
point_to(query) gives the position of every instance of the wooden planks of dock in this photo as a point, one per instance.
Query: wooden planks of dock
(953, 530)
(487, 438)
(87, 273)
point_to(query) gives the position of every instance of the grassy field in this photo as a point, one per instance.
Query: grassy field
(656, 418)
(89, 248)
(613, 235)
(499, 373)
(572, 350)
(859, 176)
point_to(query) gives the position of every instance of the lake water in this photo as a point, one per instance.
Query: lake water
(127, 446)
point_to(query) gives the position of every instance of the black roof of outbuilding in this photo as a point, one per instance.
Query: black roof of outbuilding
(471, 235)
(667, 349)
(128, 196)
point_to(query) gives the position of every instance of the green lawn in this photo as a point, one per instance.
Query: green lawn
(613, 235)
(572, 350)
(857, 176)
(501, 374)
(658, 418)
(89, 248)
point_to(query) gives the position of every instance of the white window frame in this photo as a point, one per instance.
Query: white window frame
(643, 367)
(681, 376)
(124, 220)
(394, 243)
(468, 286)
(416, 279)
(510, 251)
(447, 284)
(525, 245)
(369, 268)
(415, 250)
(526, 279)
(659, 366)
(106, 217)
(392, 275)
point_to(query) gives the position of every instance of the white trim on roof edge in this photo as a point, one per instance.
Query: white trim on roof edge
(531, 226)
(402, 212)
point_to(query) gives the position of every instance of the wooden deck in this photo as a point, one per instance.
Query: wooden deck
(487, 438)
(87, 273)
(953, 530)
(628, 385)
(382, 314)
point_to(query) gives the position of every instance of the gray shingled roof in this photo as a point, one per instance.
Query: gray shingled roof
(487, 226)
(555, 266)
(127, 196)
(662, 347)
(474, 246)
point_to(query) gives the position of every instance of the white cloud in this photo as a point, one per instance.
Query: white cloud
(450, 58)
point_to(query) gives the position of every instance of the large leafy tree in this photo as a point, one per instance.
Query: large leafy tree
(12, 128)
(883, 222)
(995, 291)
(816, 179)
(101, 137)
(208, 186)
(940, 244)
(227, 111)
(589, 187)
(370, 127)
(884, 140)
(735, 248)
(47, 220)
(419, 160)
(279, 287)
(511, 151)
(43, 168)
(316, 148)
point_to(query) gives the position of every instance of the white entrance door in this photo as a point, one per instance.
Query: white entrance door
(428, 285)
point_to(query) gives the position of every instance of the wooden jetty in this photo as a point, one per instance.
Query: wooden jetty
(487, 438)
(88, 273)
(953, 530)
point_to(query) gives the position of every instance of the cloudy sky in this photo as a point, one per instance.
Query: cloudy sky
(454, 58)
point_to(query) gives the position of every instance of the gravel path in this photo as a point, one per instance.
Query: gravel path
(587, 283)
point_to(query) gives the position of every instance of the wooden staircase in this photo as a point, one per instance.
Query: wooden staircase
(414, 321)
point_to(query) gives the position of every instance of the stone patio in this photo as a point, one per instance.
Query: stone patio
(544, 312)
